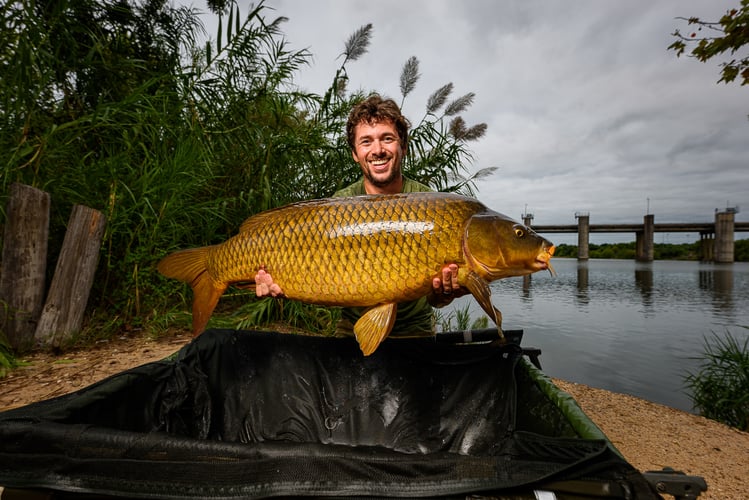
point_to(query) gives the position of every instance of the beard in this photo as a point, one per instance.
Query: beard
(381, 181)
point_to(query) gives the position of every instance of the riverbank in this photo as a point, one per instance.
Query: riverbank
(650, 436)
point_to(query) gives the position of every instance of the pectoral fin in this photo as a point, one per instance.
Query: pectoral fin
(480, 290)
(373, 326)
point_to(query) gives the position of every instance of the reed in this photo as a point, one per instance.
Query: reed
(177, 141)
(720, 388)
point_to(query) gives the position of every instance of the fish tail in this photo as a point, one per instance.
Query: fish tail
(190, 266)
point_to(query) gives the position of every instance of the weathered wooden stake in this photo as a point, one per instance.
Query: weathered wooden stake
(74, 274)
(24, 264)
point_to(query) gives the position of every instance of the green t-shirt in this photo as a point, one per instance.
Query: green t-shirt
(415, 318)
(357, 188)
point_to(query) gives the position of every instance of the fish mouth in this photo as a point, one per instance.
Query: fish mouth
(542, 261)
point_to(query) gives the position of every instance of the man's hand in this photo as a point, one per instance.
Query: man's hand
(446, 288)
(264, 285)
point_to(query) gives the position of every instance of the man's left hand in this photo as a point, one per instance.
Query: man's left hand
(446, 287)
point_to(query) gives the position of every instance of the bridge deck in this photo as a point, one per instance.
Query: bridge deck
(697, 227)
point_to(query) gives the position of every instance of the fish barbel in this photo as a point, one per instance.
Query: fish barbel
(370, 251)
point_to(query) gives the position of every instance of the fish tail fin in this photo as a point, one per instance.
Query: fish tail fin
(373, 326)
(190, 266)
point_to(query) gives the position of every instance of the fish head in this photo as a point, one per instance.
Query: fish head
(498, 247)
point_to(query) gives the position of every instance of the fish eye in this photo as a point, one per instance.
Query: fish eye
(519, 232)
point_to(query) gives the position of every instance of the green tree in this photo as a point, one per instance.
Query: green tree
(741, 250)
(91, 113)
(724, 38)
(120, 107)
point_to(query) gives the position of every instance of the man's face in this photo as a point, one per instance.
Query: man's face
(377, 149)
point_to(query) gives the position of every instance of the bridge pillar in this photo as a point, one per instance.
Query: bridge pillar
(724, 225)
(707, 243)
(583, 233)
(644, 239)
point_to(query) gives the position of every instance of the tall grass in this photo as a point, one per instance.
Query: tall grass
(720, 388)
(459, 320)
(177, 141)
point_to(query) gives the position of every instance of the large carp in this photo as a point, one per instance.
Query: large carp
(372, 251)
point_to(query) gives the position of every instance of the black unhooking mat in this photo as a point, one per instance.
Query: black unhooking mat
(239, 414)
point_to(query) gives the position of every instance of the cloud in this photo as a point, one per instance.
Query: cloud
(586, 108)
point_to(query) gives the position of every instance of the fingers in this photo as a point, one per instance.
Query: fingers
(449, 281)
(264, 284)
(445, 287)
(450, 278)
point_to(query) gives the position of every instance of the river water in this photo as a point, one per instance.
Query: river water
(622, 325)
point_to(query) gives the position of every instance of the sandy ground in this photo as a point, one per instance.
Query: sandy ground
(650, 436)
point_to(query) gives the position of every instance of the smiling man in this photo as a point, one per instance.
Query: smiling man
(377, 133)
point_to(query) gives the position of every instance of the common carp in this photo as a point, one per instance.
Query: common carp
(370, 251)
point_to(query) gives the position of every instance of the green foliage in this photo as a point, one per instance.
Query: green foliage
(265, 312)
(741, 250)
(565, 250)
(459, 320)
(720, 389)
(723, 38)
(117, 106)
(7, 360)
(661, 251)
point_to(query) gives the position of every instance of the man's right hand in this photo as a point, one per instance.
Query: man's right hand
(264, 285)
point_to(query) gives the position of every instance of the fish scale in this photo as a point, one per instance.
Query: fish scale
(304, 248)
(364, 251)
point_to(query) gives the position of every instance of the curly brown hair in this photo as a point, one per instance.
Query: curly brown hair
(375, 109)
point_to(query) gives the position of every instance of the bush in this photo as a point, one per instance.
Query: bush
(117, 107)
(720, 389)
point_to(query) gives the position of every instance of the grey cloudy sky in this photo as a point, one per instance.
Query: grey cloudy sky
(587, 111)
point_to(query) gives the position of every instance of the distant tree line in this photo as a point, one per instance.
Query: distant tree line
(661, 251)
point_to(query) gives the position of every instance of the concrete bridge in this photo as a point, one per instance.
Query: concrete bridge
(716, 238)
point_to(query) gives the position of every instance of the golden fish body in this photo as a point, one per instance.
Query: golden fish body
(364, 251)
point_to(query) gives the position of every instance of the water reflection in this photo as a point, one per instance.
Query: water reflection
(527, 286)
(625, 326)
(644, 283)
(719, 283)
(582, 296)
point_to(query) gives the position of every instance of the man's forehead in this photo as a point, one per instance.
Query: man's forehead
(366, 124)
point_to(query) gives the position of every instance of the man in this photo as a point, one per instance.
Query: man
(377, 133)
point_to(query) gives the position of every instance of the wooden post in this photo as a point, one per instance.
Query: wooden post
(74, 274)
(24, 264)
